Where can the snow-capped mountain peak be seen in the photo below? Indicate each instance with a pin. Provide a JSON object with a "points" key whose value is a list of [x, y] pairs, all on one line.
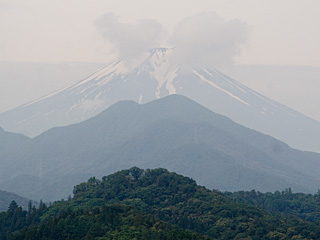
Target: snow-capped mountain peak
{"points": [[160, 68], [154, 76]]}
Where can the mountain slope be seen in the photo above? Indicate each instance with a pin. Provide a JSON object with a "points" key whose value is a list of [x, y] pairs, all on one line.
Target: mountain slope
{"points": [[173, 132], [7, 197], [152, 204], [22, 82], [156, 76]]}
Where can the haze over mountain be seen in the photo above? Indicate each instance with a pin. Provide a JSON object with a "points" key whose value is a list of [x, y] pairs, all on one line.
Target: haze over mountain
{"points": [[295, 86], [23, 82], [7, 197], [156, 75], [173, 132]]}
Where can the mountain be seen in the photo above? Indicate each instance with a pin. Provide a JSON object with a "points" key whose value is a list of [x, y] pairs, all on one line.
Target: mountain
{"points": [[156, 76], [174, 133], [22, 82], [151, 204], [8, 140], [7, 197], [295, 86]]}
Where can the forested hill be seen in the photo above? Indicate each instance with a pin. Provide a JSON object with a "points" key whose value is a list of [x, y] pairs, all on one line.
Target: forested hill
{"points": [[7, 197], [301, 205], [150, 204]]}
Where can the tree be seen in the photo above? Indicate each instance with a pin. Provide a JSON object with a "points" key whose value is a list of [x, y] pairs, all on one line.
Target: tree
{"points": [[136, 173], [12, 207]]}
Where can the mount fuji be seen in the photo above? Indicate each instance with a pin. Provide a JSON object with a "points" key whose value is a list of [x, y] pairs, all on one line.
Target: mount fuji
{"points": [[154, 76]]}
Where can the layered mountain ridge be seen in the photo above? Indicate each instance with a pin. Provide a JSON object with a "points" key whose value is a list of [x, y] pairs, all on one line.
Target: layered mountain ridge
{"points": [[174, 133], [157, 76]]}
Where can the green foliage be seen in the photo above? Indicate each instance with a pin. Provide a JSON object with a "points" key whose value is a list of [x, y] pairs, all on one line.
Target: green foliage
{"points": [[303, 206], [15, 218], [107, 222], [153, 204], [6, 198], [178, 200]]}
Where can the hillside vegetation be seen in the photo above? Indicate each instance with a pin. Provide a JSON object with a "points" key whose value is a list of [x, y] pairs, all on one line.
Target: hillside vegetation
{"points": [[7, 197], [151, 204], [303, 206]]}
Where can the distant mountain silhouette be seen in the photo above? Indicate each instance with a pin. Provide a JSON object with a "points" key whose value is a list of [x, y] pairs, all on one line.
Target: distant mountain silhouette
{"points": [[154, 77], [174, 133], [7, 197]]}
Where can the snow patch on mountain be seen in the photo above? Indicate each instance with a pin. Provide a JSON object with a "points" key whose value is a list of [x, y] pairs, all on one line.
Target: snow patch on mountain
{"points": [[160, 68], [27, 119], [221, 89], [155, 75], [229, 80], [105, 73], [44, 97], [274, 104]]}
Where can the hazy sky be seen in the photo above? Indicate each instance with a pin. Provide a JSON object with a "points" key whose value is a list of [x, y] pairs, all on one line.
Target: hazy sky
{"points": [[278, 31], [273, 32]]}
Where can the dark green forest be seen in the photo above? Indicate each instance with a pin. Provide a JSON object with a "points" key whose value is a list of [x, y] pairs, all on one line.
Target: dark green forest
{"points": [[301, 205], [7, 197], [158, 204]]}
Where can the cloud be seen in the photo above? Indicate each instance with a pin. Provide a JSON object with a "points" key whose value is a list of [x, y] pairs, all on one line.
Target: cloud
{"points": [[130, 40], [4, 5], [202, 39], [207, 39]]}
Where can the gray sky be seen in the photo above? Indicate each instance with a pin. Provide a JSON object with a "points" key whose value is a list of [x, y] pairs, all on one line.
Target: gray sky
{"points": [[271, 32], [279, 31]]}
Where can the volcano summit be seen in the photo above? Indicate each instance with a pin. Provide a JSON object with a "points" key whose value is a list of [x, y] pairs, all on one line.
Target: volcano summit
{"points": [[154, 76]]}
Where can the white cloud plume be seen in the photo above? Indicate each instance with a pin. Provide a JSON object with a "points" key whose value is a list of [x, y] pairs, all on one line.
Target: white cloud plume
{"points": [[130, 40], [202, 39], [207, 39]]}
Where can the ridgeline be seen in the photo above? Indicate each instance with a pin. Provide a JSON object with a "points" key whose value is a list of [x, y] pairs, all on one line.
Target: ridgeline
{"points": [[152, 204]]}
